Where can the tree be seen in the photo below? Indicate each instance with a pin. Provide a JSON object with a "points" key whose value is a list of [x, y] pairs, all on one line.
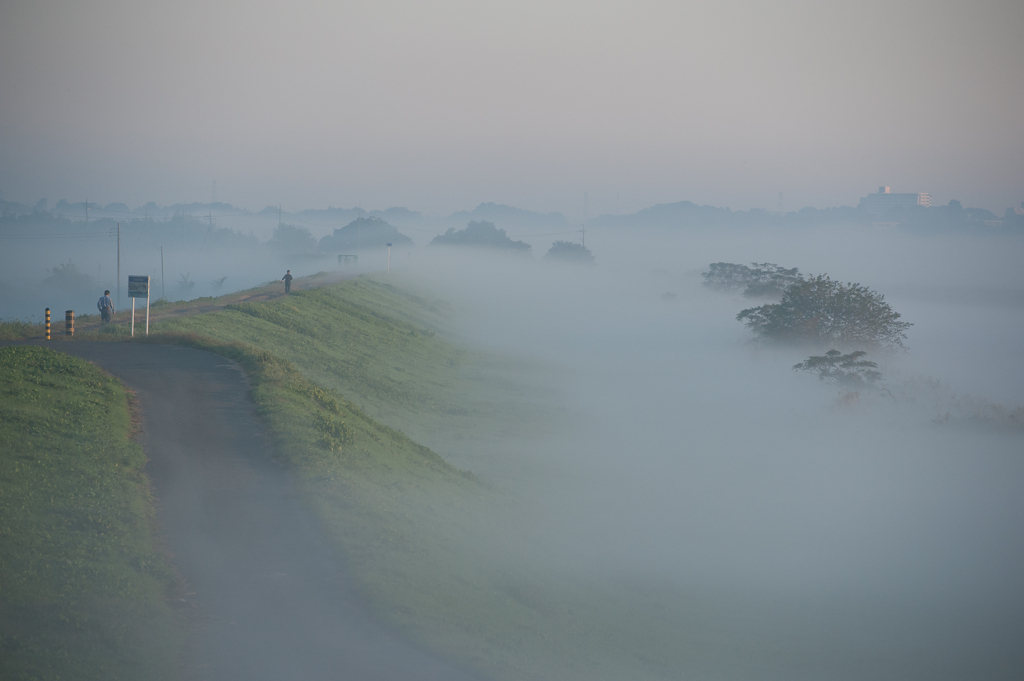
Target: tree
{"points": [[570, 251], [362, 234], [845, 370], [825, 312], [763, 280], [481, 234], [67, 277], [292, 239]]}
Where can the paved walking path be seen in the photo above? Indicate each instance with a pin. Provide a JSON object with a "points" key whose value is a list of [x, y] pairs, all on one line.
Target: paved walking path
{"points": [[272, 599]]}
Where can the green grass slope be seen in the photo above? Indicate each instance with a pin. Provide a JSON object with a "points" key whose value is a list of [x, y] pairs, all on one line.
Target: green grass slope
{"points": [[341, 374], [431, 548], [82, 586]]}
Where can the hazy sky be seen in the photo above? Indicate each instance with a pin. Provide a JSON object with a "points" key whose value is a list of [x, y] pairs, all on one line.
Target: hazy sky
{"points": [[441, 105]]}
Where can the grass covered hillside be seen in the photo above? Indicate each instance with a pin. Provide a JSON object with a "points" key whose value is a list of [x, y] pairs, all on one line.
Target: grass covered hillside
{"points": [[431, 547], [353, 379], [389, 351], [82, 586]]}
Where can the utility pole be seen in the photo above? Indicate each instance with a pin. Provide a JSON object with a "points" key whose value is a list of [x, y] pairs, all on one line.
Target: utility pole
{"points": [[163, 291], [583, 231], [209, 230], [278, 215], [119, 264], [87, 211]]}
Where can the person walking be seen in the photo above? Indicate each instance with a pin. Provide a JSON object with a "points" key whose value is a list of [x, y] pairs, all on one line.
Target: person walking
{"points": [[106, 307], [287, 279]]}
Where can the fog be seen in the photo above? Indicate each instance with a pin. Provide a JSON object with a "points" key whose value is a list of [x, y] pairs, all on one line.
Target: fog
{"points": [[788, 531], [438, 105], [813, 537]]}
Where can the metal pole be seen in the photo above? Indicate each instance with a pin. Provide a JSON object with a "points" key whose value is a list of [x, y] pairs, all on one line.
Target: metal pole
{"points": [[119, 264], [133, 316], [163, 291], [47, 323], [147, 310]]}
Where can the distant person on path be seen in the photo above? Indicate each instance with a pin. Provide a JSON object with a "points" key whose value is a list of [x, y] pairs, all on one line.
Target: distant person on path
{"points": [[106, 307], [287, 279]]}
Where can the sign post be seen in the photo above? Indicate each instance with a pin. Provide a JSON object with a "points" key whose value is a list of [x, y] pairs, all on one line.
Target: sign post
{"points": [[138, 287]]}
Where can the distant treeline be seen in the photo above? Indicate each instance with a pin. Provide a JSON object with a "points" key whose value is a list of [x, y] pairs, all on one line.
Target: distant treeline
{"points": [[951, 217], [180, 229]]}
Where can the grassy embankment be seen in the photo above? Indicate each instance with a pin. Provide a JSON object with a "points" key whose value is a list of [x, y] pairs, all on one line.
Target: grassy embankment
{"points": [[427, 544], [82, 586]]}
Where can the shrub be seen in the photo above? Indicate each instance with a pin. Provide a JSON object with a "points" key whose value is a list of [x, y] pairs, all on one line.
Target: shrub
{"points": [[763, 280], [825, 312], [481, 234], [845, 370], [569, 251]]}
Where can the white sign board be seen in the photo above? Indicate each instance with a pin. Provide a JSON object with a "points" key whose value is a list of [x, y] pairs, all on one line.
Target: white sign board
{"points": [[138, 285]]}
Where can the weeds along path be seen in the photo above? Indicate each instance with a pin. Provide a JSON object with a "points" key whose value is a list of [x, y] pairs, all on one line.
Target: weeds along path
{"points": [[270, 599]]}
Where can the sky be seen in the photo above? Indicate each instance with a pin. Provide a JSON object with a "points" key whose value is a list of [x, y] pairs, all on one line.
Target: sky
{"points": [[439, 106]]}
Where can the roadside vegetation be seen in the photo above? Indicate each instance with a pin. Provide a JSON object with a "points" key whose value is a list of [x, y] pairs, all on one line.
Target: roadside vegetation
{"points": [[83, 589]]}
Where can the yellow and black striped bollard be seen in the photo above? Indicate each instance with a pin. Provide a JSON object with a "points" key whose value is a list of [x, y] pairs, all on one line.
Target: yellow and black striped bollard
{"points": [[69, 323], [47, 323]]}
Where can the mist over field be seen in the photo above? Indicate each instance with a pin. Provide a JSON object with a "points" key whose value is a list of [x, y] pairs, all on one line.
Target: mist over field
{"points": [[798, 534], [644, 462], [765, 523]]}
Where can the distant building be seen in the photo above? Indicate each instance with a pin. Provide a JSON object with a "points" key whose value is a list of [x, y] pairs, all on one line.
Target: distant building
{"points": [[878, 205]]}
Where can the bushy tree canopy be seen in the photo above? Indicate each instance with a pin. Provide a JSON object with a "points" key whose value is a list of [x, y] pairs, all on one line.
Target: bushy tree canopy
{"points": [[292, 239], [763, 280], [570, 251], [67, 277], [828, 313], [364, 234], [483, 234], [846, 370]]}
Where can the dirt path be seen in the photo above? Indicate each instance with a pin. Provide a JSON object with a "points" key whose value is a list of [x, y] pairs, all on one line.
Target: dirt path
{"points": [[271, 598]]}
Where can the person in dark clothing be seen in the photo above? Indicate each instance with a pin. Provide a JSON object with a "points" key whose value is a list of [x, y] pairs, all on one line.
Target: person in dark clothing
{"points": [[287, 279], [106, 307]]}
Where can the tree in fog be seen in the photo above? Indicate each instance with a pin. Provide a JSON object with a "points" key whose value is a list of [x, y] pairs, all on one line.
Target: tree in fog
{"points": [[481, 234], [292, 239], [849, 370], [570, 251], [185, 286], [370, 233], [762, 280], [825, 312], [66, 278]]}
